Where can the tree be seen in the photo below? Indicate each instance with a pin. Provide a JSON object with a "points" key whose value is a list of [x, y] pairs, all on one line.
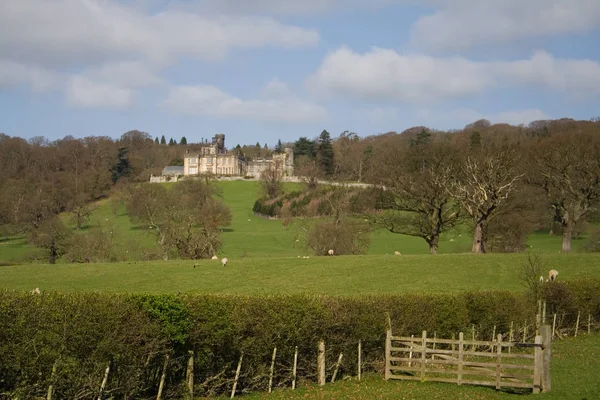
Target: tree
{"points": [[421, 205], [567, 167], [122, 167], [183, 141], [163, 140], [156, 140], [325, 154], [481, 184], [279, 147], [172, 142], [308, 170], [185, 219], [271, 180], [53, 236], [305, 147]]}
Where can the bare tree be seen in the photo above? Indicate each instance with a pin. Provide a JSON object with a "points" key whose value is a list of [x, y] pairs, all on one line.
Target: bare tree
{"points": [[567, 167], [482, 183], [271, 180]]}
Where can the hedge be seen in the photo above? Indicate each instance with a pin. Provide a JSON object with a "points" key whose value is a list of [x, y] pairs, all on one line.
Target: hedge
{"points": [[83, 332]]}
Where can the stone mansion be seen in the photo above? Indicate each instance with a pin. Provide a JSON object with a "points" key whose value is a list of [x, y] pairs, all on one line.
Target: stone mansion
{"points": [[215, 159]]}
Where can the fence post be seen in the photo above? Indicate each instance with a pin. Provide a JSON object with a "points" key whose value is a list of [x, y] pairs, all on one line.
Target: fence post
{"points": [[510, 335], [589, 323], [294, 369], [321, 363], [237, 375], [499, 362], [388, 354], [190, 375], [104, 380], [460, 358], [161, 385], [537, 365], [434, 343], [524, 332], [423, 355], [337, 367], [544, 313], [493, 338], [547, 356], [577, 323], [412, 345], [272, 368], [52, 379], [553, 325], [359, 359]]}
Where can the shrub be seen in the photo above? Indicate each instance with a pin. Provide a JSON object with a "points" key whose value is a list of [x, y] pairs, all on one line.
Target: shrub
{"points": [[343, 237]]}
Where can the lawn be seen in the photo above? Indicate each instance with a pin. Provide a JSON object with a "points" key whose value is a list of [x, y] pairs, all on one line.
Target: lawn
{"points": [[341, 275], [574, 369]]}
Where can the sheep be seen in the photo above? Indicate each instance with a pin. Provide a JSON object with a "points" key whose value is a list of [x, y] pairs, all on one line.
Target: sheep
{"points": [[330, 252], [552, 275], [36, 291], [224, 262], [214, 258], [397, 253]]}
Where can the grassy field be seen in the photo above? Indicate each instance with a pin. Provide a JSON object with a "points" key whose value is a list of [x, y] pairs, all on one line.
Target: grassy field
{"points": [[249, 236], [574, 369], [343, 275]]}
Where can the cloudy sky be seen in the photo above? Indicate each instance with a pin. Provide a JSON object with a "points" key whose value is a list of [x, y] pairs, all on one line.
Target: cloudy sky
{"points": [[269, 69]]}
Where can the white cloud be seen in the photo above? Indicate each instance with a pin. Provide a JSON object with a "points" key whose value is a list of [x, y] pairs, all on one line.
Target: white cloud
{"points": [[383, 74], [276, 89], [13, 73], [82, 92], [84, 32], [462, 24], [211, 101]]}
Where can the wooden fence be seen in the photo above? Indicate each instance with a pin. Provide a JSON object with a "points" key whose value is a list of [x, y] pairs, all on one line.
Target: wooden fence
{"points": [[498, 363]]}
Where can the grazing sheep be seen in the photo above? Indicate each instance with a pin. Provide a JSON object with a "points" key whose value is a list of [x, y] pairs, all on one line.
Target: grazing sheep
{"points": [[397, 253], [552, 275], [330, 252], [214, 258], [224, 262], [36, 291]]}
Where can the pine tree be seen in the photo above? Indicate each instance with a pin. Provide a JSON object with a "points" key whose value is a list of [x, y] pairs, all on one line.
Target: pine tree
{"points": [[163, 140], [156, 140], [183, 141], [172, 142], [279, 147], [325, 153]]}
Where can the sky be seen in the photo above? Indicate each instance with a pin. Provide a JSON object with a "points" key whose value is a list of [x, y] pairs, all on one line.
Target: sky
{"points": [[263, 70]]}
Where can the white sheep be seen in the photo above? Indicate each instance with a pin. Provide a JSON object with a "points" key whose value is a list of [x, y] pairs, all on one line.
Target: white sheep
{"points": [[224, 262], [397, 253], [552, 275], [214, 258], [330, 252], [36, 291]]}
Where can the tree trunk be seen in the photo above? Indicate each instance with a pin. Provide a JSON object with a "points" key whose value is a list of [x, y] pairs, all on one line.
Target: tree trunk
{"points": [[433, 245], [52, 256], [478, 239], [567, 230]]}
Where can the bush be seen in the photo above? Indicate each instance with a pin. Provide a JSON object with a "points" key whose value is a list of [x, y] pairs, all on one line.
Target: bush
{"points": [[343, 237]]}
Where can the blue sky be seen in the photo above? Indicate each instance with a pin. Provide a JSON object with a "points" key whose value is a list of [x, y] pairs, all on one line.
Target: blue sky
{"points": [[260, 70]]}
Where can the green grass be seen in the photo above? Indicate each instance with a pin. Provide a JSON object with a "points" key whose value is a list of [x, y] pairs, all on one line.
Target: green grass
{"points": [[343, 275], [574, 370]]}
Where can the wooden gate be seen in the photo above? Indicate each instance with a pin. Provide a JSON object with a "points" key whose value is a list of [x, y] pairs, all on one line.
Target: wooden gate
{"points": [[495, 363]]}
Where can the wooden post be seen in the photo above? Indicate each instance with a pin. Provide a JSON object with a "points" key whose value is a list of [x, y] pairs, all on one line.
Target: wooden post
{"points": [[538, 316], [337, 367], [52, 378], [162, 378], [359, 365], [388, 354], [493, 338], [544, 313], [499, 362], [189, 375], [589, 323], [577, 323], [423, 354], [472, 337], [104, 380], [294, 369], [546, 357], [537, 365], [237, 375], [272, 368], [433, 347], [553, 325], [511, 335], [321, 363], [460, 358], [524, 331], [410, 354]]}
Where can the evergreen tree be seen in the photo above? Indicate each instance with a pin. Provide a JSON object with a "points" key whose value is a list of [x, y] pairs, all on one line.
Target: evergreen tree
{"points": [[279, 147], [163, 140], [183, 141], [172, 142], [122, 167], [156, 140], [304, 147], [325, 153], [422, 138]]}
